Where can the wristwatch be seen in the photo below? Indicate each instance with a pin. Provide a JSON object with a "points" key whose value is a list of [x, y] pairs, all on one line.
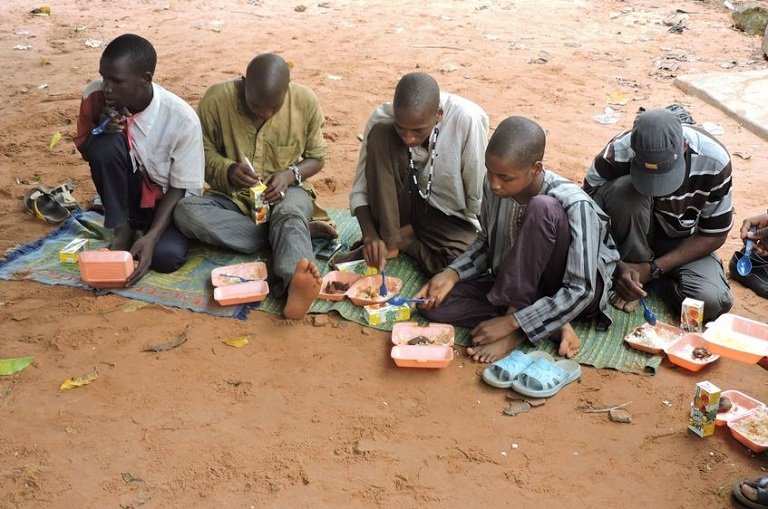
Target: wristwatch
{"points": [[656, 271]]}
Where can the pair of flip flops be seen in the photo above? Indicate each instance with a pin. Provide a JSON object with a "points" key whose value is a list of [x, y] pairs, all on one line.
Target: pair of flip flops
{"points": [[536, 375], [50, 204]]}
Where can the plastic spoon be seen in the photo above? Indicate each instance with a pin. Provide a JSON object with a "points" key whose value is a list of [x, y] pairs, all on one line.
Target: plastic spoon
{"points": [[399, 301], [649, 315], [100, 128], [744, 265], [383, 288]]}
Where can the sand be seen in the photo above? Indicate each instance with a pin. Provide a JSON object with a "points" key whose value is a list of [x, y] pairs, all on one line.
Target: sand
{"points": [[318, 415]]}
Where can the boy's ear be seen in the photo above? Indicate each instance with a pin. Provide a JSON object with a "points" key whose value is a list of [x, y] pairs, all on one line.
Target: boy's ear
{"points": [[538, 167]]}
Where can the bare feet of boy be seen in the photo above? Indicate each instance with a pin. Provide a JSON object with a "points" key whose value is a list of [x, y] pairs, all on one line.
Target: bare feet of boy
{"points": [[623, 305], [305, 285], [322, 230], [122, 238], [496, 350], [569, 342]]}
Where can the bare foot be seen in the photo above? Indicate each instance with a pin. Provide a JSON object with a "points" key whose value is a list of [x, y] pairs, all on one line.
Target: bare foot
{"points": [[496, 350], [619, 303], [322, 230], [749, 492], [569, 342], [354, 255], [305, 285], [122, 238], [357, 254]]}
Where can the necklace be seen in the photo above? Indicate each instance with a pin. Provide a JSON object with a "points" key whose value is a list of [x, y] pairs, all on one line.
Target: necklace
{"points": [[432, 156]]}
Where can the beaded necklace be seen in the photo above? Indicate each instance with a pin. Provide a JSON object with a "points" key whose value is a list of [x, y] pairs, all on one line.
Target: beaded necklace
{"points": [[432, 156]]}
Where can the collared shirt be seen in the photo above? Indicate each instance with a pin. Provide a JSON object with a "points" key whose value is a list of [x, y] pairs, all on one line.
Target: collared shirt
{"points": [[294, 133], [592, 251], [457, 183], [166, 140], [703, 204]]}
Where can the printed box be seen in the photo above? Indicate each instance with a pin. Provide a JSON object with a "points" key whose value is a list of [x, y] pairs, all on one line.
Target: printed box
{"points": [[379, 314], [357, 267], [706, 399], [70, 252], [259, 207], [692, 315]]}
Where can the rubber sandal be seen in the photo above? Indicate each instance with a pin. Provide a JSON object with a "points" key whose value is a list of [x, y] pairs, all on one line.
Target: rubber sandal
{"points": [[29, 199], [504, 371], [63, 196], [761, 485], [48, 209], [544, 379]]}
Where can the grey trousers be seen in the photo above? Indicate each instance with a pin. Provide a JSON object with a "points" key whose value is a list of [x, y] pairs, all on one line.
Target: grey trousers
{"points": [[640, 239], [216, 220], [394, 202]]}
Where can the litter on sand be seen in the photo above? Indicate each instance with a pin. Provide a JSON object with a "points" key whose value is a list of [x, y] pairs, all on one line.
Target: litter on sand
{"points": [[80, 381], [14, 365], [607, 117]]}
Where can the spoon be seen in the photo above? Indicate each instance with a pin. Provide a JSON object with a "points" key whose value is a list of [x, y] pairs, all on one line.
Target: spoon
{"points": [[399, 301], [383, 289], [649, 315], [744, 265], [100, 128]]}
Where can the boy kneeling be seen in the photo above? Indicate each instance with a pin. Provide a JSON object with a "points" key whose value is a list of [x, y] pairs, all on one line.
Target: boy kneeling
{"points": [[544, 257]]}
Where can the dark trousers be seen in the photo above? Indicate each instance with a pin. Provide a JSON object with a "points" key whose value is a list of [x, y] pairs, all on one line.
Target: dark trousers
{"points": [[531, 269], [640, 239], [394, 203], [120, 189]]}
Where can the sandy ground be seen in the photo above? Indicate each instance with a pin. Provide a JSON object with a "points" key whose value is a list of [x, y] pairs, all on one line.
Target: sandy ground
{"points": [[319, 416]]}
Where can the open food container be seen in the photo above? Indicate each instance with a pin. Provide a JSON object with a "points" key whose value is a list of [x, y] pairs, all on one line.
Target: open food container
{"points": [[422, 346], [653, 338], [336, 284], [738, 338], [105, 269], [751, 429], [691, 352], [240, 283], [239, 273], [365, 291], [741, 404]]}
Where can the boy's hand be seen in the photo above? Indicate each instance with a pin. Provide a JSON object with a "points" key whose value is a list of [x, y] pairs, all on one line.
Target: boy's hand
{"points": [[437, 289], [117, 119], [759, 236], [241, 176], [277, 184], [142, 251], [375, 252], [628, 284]]}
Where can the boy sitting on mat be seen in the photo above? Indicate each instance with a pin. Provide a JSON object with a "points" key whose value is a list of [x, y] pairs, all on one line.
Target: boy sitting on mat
{"points": [[544, 257]]}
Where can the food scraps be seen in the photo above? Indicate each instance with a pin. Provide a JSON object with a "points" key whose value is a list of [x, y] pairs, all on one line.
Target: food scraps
{"points": [[336, 287]]}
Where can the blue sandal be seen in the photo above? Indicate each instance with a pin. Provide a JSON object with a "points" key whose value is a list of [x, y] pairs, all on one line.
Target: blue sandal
{"points": [[504, 371], [544, 379]]}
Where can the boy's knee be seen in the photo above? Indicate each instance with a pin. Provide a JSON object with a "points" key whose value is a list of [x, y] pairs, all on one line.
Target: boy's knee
{"points": [[168, 258], [717, 298], [106, 148]]}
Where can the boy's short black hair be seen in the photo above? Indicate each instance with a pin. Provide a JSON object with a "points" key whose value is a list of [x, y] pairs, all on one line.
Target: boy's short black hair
{"points": [[140, 52], [519, 140], [417, 91]]}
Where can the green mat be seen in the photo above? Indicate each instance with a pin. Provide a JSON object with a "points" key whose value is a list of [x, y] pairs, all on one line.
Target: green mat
{"points": [[190, 288]]}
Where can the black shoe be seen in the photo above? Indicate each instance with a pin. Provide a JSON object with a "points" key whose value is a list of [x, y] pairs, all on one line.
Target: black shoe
{"points": [[757, 279]]}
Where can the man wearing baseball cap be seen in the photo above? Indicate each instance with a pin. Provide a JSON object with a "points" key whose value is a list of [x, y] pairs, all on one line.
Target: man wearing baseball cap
{"points": [[667, 189]]}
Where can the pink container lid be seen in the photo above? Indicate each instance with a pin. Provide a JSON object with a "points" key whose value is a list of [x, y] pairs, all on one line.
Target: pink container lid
{"points": [[741, 403], [430, 335]]}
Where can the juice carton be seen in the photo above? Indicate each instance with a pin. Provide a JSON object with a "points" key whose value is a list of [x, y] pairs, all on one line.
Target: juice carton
{"points": [[706, 399], [692, 315], [259, 207], [69, 253], [378, 314], [357, 267]]}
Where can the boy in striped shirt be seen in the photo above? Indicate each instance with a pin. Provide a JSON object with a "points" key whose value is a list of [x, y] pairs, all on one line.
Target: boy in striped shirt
{"points": [[667, 188]]}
